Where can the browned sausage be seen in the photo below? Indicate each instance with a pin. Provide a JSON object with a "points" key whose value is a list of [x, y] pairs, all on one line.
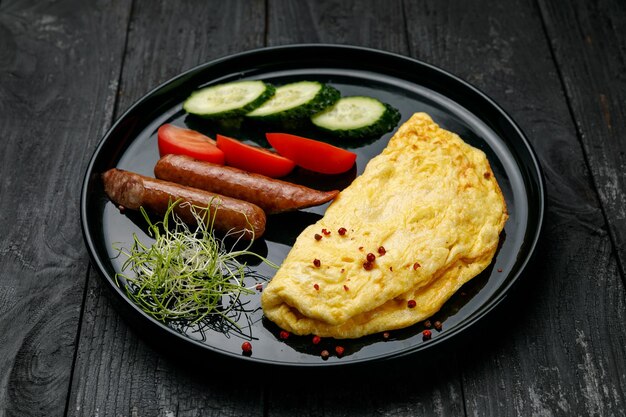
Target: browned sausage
{"points": [[132, 191], [272, 195]]}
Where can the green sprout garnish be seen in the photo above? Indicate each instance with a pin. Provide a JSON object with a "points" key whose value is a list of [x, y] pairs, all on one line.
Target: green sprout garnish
{"points": [[185, 275]]}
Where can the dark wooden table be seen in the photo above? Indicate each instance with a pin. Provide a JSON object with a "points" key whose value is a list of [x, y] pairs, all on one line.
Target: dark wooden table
{"points": [[69, 68]]}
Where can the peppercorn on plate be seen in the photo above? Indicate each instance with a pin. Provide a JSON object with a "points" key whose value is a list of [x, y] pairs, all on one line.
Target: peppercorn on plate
{"points": [[423, 219]]}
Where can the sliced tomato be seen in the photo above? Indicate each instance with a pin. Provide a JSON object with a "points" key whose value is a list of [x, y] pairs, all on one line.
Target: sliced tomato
{"points": [[312, 154], [181, 141], [253, 158]]}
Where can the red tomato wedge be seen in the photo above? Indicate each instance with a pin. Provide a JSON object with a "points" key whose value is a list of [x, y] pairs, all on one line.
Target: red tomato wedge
{"points": [[181, 141], [312, 154], [253, 158]]}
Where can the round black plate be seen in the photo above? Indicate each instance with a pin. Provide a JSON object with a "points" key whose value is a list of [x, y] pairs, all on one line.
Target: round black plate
{"points": [[407, 84]]}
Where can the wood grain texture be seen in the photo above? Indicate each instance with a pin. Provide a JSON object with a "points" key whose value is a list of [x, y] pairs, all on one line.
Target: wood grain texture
{"points": [[557, 347], [68, 68], [167, 38], [588, 41], [429, 386], [117, 372], [363, 23], [59, 66]]}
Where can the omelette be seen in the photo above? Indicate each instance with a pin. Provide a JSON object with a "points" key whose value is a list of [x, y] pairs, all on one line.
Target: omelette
{"points": [[423, 219]]}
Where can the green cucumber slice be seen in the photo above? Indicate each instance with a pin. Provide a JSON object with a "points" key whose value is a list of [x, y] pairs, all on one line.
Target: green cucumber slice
{"points": [[228, 100], [296, 101], [357, 116]]}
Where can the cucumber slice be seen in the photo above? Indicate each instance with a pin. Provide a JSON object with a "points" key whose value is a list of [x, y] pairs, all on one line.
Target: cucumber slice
{"points": [[357, 116], [228, 100], [296, 101]]}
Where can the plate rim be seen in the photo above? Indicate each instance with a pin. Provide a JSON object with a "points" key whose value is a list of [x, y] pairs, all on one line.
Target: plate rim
{"points": [[475, 316]]}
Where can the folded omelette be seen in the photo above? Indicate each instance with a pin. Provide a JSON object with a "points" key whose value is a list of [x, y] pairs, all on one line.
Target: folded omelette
{"points": [[428, 211]]}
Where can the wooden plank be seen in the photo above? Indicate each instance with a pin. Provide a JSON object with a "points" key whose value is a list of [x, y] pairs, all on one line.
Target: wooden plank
{"points": [[59, 67], [558, 345], [413, 387], [117, 372], [370, 23], [168, 38], [590, 48], [428, 387]]}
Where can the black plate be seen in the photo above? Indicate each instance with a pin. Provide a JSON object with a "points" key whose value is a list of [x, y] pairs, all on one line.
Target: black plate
{"points": [[407, 84]]}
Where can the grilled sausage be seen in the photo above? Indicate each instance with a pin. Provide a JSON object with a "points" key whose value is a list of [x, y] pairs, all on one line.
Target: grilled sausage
{"points": [[132, 191], [272, 195]]}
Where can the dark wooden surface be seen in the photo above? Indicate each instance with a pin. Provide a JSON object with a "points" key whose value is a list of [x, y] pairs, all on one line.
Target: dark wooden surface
{"points": [[69, 68]]}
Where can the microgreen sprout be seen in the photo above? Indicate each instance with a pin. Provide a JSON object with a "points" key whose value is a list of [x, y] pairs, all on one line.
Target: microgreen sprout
{"points": [[186, 274]]}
